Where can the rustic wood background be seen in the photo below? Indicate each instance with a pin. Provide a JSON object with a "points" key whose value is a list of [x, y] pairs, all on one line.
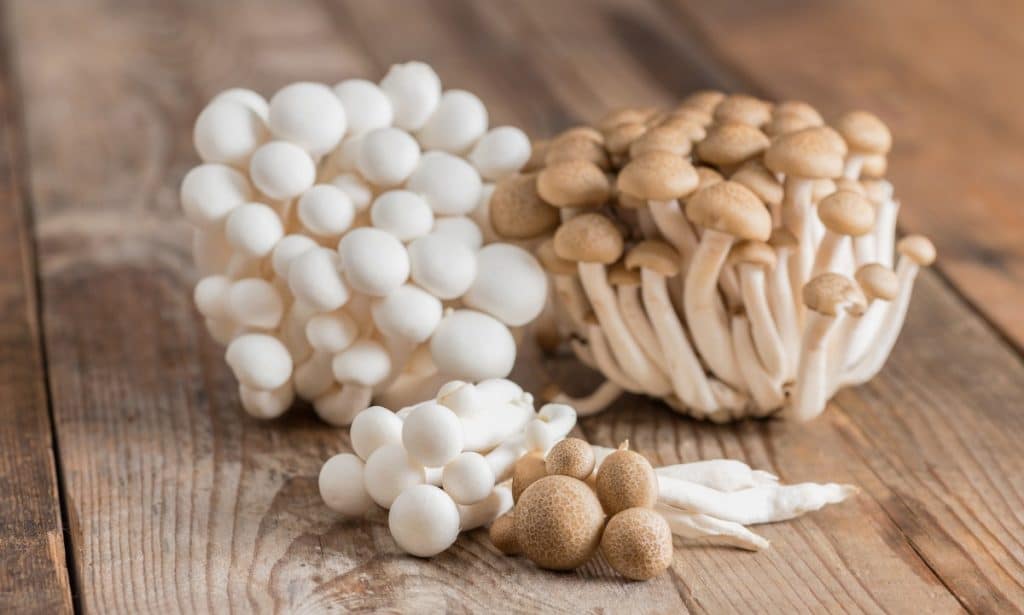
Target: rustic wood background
{"points": [[130, 481]]}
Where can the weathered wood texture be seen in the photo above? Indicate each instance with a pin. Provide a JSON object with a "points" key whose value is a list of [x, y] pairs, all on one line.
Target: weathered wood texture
{"points": [[180, 503]]}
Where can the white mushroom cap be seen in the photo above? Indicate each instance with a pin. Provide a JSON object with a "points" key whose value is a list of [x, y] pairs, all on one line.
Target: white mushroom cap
{"points": [[357, 190], [367, 107], [326, 210], [282, 170], [210, 296], [450, 184], [314, 277], [458, 122], [387, 156], [342, 486], [460, 228], [331, 333], [259, 361], [462, 398], [443, 267], [346, 156], [309, 115], [314, 377], [253, 229], [414, 90], [374, 261], [502, 151], [389, 471], [266, 404], [424, 521], [287, 249], [228, 131], [255, 302], [510, 284], [256, 103], [373, 428], [404, 214], [408, 313], [468, 478], [210, 191], [432, 434], [365, 363], [473, 346], [223, 331], [211, 251]]}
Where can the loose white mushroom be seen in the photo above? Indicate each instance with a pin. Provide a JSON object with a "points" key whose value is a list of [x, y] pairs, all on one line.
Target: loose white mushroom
{"points": [[424, 521], [373, 428], [753, 260], [341, 485], [256, 103], [255, 302], [282, 170], [509, 285], [500, 152], [309, 115], [326, 210], [486, 511], [210, 192], [389, 471], [266, 404], [387, 156], [341, 403], [259, 361], [450, 184], [286, 250], [357, 190], [432, 435], [468, 478], [332, 332], [848, 218], [253, 229], [404, 214], [408, 313], [228, 131], [314, 377], [314, 277], [458, 122], [210, 296], [695, 525], [365, 363], [460, 228], [414, 90], [366, 106], [473, 346], [374, 261], [445, 268]]}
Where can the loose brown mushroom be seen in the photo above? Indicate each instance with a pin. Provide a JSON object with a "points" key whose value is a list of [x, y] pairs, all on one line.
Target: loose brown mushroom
{"points": [[625, 479], [558, 522], [845, 214], [742, 108], [574, 183], [727, 211], [728, 145], [517, 211], [880, 286], [571, 457], [528, 469], [780, 298], [829, 297], [753, 260], [503, 534], [866, 135], [637, 543]]}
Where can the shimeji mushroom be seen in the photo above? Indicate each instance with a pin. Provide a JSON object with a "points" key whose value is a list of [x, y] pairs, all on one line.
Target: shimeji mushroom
{"points": [[458, 122], [259, 361], [387, 156], [253, 229], [552, 423], [473, 345], [765, 388], [564, 275], [326, 210], [915, 252], [408, 313], [342, 487], [729, 145], [517, 211], [866, 136], [389, 471], [660, 178], [780, 298], [444, 268], [848, 219], [461, 229], [687, 524], [404, 214], [331, 332], [742, 108], [573, 145], [255, 303], [573, 183], [601, 356], [414, 90], [432, 435], [366, 106], [356, 188], [314, 377], [373, 428], [450, 184], [754, 175], [593, 241], [727, 211], [315, 278], [309, 115], [282, 170], [627, 288], [754, 260], [286, 250], [509, 285], [673, 139], [228, 131], [468, 478], [830, 297], [359, 368], [880, 192], [374, 262], [791, 116], [501, 152]]}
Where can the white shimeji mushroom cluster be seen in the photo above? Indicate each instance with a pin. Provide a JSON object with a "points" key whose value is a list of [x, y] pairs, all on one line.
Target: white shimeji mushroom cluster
{"points": [[442, 466], [341, 239]]}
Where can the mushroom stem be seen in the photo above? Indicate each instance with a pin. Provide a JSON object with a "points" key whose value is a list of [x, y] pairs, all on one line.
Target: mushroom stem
{"points": [[606, 362], [640, 326], [695, 525], [484, 512], [797, 207], [808, 396], [762, 327], [780, 299], [719, 474], [854, 164], [761, 504], [764, 388], [832, 249], [340, 406], [676, 229], [864, 250], [601, 397], [885, 231], [570, 297]]}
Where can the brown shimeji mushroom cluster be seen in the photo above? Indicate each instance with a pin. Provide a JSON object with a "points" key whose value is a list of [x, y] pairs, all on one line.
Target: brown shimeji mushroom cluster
{"points": [[731, 256]]}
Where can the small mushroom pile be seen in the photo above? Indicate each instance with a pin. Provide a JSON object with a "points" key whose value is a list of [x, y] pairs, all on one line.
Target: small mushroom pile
{"points": [[339, 237], [730, 256], [442, 466]]}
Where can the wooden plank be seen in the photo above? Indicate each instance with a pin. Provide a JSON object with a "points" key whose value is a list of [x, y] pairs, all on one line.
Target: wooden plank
{"points": [[33, 570], [183, 504]]}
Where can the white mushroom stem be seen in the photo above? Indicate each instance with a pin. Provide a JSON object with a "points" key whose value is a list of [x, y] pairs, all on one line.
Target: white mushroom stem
{"points": [[764, 388], [780, 299], [571, 299], [729, 283], [632, 359], [863, 337], [674, 227], [645, 221], [552, 424], [720, 474], [797, 210], [503, 458], [484, 512], [810, 390], [863, 250], [832, 250], [885, 231], [601, 397], [340, 406], [708, 324], [761, 504], [606, 363], [762, 326], [697, 526], [636, 320], [854, 164]]}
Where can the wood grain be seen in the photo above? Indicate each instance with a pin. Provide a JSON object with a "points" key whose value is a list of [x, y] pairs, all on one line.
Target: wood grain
{"points": [[181, 503]]}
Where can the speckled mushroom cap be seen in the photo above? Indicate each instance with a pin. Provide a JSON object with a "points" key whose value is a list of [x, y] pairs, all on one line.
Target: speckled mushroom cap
{"points": [[625, 115], [822, 188], [553, 263], [847, 213], [730, 207], [797, 108], [706, 176], [830, 292], [517, 211], [760, 180], [589, 132], [703, 100], [731, 143], [618, 138], [877, 282], [692, 114], [753, 253], [744, 109], [918, 249], [619, 275], [782, 237], [655, 255], [558, 522], [637, 543], [875, 165], [877, 190], [589, 238], [574, 183], [577, 146], [658, 176], [845, 183], [538, 152], [684, 122], [661, 138], [864, 132], [815, 152]]}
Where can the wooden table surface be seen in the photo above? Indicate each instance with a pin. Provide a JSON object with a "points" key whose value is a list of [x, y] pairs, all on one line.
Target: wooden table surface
{"points": [[130, 480]]}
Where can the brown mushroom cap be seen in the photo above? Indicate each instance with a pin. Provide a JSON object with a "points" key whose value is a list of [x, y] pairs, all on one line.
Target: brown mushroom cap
{"points": [[760, 180], [517, 211], [527, 470], [629, 201], [574, 183], [618, 138], [571, 457], [810, 153], [703, 100], [782, 238], [785, 124], [656, 255], [706, 176], [753, 253], [797, 108], [877, 282], [845, 183], [822, 188], [875, 165], [619, 275], [558, 522], [917, 248], [554, 264], [503, 534], [731, 143], [571, 147], [830, 292], [589, 132], [637, 543], [625, 479], [538, 152], [847, 213], [659, 176], [865, 132], [589, 238], [625, 115], [730, 207], [684, 122], [743, 109], [877, 190], [662, 139]]}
